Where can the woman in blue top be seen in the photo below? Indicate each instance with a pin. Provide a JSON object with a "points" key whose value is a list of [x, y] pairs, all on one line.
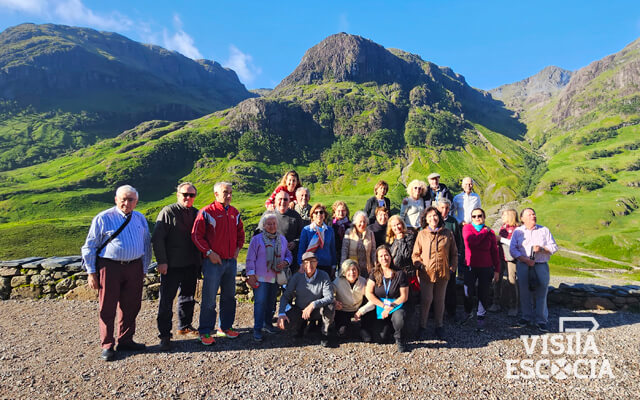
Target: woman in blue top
{"points": [[319, 238]]}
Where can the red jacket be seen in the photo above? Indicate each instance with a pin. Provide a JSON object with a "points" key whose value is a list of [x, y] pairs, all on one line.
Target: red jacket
{"points": [[481, 248], [219, 230]]}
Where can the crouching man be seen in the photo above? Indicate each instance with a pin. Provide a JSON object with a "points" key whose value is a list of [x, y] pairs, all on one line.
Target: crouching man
{"points": [[313, 296]]}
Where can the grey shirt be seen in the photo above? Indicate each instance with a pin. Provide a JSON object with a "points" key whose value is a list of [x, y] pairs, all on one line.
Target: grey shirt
{"points": [[317, 290]]}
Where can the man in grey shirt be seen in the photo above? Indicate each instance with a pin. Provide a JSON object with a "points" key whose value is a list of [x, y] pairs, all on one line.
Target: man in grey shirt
{"points": [[313, 295]]}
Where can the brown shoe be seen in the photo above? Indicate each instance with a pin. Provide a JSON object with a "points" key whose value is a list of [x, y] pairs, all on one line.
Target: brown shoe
{"points": [[189, 330]]}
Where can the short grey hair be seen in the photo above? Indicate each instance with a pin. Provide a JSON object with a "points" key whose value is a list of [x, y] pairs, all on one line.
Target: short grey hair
{"points": [[265, 217], [126, 189], [468, 178], [301, 188], [183, 184], [359, 214], [218, 185], [442, 201]]}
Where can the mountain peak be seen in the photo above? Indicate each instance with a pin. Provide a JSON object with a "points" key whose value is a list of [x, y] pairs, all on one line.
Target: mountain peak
{"points": [[344, 57], [534, 89]]}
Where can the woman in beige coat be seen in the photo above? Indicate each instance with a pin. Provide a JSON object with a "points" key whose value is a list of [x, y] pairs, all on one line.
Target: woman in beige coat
{"points": [[359, 244], [434, 255]]}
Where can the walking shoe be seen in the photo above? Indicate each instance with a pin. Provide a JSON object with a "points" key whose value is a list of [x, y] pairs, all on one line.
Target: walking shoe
{"points": [[131, 346], [324, 341], [466, 319], [440, 332], [543, 328], [228, 333], [108, 354], [480, 324], [270, 329], [522, 322], [165, 344], [494, 308], [189, 330], [207, 340], [257, 337], [401, 347], [513, 312]]}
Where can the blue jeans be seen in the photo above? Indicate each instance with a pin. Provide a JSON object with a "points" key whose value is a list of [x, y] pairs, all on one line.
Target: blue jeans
{"points": [[537, 297], [222, 276], [264, 300]]}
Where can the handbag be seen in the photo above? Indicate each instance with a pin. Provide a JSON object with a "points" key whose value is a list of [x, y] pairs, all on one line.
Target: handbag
{"points": [[283, 276]]}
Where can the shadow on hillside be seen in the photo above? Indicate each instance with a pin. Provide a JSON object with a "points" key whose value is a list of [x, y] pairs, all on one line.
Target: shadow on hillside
{"points": [[493, 114]]}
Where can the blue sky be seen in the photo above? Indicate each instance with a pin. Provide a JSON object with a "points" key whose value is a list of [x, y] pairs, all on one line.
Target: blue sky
{"points": [[489, 42]]}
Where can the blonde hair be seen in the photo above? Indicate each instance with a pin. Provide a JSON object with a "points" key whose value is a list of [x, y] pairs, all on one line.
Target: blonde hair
{"points": [[390, 235], [339, 203], [346, 264], [417, 182], [511, 216]]}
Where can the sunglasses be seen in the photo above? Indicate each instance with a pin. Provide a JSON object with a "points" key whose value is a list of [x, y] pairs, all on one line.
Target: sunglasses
{"points": [[477, 216], [319, 212], [185, 195]]}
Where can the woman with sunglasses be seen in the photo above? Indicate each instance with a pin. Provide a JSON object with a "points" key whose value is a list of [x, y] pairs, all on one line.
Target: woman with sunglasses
{"points": [[412, 206], [483, 263], [319, 238]]}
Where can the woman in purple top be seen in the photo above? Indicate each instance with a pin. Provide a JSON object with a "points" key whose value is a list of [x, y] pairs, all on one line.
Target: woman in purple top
{"points": [[267, 255]]}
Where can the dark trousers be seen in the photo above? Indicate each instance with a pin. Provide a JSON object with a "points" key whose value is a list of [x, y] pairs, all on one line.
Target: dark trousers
{"points": [[450, 297], [324, 314], [177, 278], [472, 275], [120, 291], [381, 328]]}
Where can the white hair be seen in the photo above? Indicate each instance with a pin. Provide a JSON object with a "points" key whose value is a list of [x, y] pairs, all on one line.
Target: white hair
{"points": [[300, 189], [124, 189], [359, 214], [218, 185], [183, 184], [265, 217]]}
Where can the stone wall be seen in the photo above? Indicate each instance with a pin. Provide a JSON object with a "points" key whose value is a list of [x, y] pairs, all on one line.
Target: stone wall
{"points": [[37, 277]]}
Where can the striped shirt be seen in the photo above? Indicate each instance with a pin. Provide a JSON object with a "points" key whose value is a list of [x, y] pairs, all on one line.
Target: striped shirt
{"points": [[132, 243]]}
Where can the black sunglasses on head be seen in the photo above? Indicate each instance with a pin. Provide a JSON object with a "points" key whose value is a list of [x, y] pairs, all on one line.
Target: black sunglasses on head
{"points": [[185, 195]]}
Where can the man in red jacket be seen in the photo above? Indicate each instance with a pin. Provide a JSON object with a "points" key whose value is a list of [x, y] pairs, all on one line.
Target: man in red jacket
{"points": [[219, 235]]}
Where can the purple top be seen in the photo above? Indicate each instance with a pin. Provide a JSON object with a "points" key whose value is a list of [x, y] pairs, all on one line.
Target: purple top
{"points": [[523, 240], [257, 259]]}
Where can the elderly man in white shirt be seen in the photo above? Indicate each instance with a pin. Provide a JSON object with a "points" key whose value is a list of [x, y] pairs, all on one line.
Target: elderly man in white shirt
{"points": [[465, 202]]}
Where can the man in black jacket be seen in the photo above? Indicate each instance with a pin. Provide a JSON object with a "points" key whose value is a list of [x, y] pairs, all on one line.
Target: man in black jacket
{"points": [[178, 263], [436, 190]]}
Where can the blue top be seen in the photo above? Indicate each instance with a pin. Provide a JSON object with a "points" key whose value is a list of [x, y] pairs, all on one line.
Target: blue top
{"points": [[327, 255], [132, 243]]}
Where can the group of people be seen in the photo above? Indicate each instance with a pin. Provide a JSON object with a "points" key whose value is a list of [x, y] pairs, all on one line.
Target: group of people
{"points": [[349, 277]]}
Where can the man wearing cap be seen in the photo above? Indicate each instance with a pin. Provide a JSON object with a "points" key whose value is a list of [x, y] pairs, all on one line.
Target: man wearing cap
{"points": [[116, 255], [313, 296], [436, 190], [465, 202]]}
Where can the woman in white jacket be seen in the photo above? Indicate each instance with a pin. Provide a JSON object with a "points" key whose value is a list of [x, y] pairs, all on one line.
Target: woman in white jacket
{"points": [[351, 303]]}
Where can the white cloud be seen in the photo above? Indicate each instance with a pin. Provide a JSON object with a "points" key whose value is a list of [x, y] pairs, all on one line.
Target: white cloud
{"points": [[75, 12], [29, 6], [180, 41], [242, 63]]}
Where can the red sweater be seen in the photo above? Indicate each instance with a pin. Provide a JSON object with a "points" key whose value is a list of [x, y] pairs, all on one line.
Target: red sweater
{"points": [[219, 230], [481, 248]]}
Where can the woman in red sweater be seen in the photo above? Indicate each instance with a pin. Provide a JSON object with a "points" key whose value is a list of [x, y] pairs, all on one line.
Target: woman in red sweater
{"points": [[483, 263]]}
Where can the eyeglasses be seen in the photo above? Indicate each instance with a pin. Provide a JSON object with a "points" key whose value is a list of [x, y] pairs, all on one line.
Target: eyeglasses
{"points": [[320, 212], [185, 195], [477, 216]]}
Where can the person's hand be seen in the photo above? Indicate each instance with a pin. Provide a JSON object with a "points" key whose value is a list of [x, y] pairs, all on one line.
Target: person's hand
{"points": [[357, 316], [281, 321], [530, 262], [496, 277], [539, 249], [252, 280], [93, 281], [282, 265], [291, 246], [306, 313], [385, 312], [338, 305], [215, 258], [162, 269], [292, 205], [405, 201]]}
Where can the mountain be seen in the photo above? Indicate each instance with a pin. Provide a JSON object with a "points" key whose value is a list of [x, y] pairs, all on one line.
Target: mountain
{"points": [[534, 89], [63, 87]]}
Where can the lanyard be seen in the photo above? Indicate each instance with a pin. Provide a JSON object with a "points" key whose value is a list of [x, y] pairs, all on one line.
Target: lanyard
{"points": [[386, 287]]}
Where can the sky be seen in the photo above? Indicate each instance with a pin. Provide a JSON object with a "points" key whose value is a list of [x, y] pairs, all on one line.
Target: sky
{"points": [[489, 42]]}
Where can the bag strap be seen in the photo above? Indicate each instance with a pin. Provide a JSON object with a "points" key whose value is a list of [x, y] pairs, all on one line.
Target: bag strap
{"points": [[115, 234]]}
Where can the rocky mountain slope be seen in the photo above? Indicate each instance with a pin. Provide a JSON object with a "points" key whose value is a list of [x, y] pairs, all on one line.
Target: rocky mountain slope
{"points": [[68, 87]]}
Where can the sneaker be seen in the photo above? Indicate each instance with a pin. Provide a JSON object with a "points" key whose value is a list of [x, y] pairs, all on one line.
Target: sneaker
{"points": [[522, 322], [513, 312], [440, 332], [228, 333], [207, 340], [401, 347], [165, 344], [494, 308], [480, 324], [466, 319], [324, 341], [189, 330], [270, 329], [543, 328], [257, 337]]}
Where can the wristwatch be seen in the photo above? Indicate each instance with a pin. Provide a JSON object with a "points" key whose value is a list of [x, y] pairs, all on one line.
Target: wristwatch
{"points": [[208, 252]]}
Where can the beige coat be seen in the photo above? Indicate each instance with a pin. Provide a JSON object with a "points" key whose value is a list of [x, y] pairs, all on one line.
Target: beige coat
{"points": [[361, 248], [352, 297], [437, 252]]}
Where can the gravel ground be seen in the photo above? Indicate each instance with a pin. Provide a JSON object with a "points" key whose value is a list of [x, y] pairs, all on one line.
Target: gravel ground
{"points": [[49, 349]]}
